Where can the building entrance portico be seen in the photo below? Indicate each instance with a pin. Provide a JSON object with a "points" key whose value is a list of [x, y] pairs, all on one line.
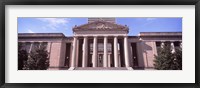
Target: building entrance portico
{"points": [[103, 44], [105, 51], [101, 60]]}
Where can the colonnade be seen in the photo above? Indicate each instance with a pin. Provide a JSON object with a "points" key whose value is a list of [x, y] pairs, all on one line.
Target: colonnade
{"points": [[95, 51], [171, 45]]}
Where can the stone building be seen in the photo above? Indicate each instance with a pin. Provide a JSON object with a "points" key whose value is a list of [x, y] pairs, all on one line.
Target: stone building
{"points": [[101, 44]]}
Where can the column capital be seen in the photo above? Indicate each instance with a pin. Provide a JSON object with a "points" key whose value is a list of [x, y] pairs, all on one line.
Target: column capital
{"points": [[126, 36], [115, 36], [162, 41], [105, 36], [173, 41], [23, 42], [40, 42], [85, 36], [75, 36], [95, 36]]}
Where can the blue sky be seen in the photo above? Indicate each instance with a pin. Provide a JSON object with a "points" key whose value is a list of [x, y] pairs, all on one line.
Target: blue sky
{"points": [[65, 25]]}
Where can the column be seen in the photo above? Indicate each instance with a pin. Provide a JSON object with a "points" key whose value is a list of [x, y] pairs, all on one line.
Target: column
{"points": [[49, 47], [31, 47], [181, 44], [73, 60], [162, 44], [94, 52], [85, 52], [77, 53], [109, 60], [172, 47], [126, 53], [116, 61], [105, 59], [40, 44], [119, 59]]}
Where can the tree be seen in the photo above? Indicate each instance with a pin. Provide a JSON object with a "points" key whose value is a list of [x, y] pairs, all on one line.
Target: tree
{"points": [[38, 59], [178, 58], [166, 60], [22, 57]]}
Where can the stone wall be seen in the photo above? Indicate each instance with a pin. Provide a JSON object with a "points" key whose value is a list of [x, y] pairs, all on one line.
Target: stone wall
{"points": [[55, 55]]}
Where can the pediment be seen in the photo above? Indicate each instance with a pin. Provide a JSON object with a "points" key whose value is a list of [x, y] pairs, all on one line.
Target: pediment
{"points": [[100, 25]]}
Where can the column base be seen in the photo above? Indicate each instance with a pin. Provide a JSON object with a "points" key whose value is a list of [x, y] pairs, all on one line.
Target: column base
{"points": [[103, 68], [71, 68], [129, 68], [58, 68]]}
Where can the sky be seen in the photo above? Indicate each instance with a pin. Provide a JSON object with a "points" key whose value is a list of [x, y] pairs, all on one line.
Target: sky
{"points": [[65, 25]]}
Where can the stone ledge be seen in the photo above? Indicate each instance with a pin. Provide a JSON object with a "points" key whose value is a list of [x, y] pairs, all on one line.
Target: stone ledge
{"points": [[102, 68], [160, 34], [41, 35]]}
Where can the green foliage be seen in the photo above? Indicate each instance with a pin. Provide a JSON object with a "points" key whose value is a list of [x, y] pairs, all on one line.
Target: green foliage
{"points": [[165, 60], [178, 60], [37, 60], [22, 57]]}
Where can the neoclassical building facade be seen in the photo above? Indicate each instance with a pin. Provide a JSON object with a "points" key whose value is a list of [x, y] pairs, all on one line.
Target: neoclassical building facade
{"points": [[100, 44]]}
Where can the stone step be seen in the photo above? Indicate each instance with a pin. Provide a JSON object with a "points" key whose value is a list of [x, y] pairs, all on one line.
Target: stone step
{"points": [[101, 68]]}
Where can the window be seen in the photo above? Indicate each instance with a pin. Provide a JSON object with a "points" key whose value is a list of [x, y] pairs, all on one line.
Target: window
{"points": [[177, 45], [158, 46]]}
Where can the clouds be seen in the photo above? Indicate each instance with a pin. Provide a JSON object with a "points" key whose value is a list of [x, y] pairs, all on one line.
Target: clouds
{"points": [[150, 19], [54, 23], [30, 31]]}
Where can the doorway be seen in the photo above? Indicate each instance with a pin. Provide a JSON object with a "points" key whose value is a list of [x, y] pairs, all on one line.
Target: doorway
{"points": [[100, 60], [134, 54], [67, 55]]}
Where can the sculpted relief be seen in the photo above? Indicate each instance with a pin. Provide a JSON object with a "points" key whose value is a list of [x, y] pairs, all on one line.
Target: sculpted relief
{"points": [[102, 26]]}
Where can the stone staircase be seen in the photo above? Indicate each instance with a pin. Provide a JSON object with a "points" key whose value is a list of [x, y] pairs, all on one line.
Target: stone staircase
{"points": [[102, 68]]}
